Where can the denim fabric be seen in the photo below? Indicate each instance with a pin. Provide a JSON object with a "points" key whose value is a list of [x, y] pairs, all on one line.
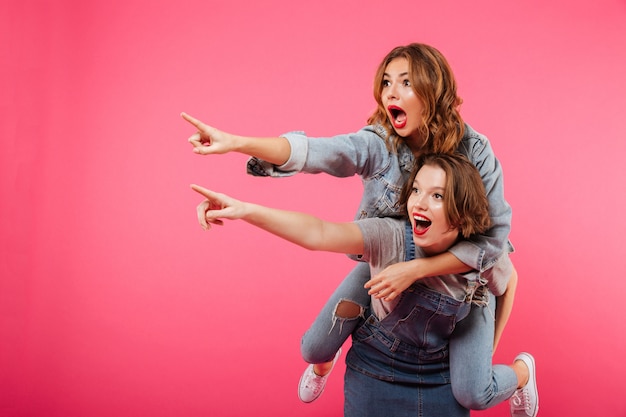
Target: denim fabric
{"points": [[370, 397], [328, 332], [409, 345], [475, 382], [398, 366], [364, 153], [409, 243], [473, 285]]}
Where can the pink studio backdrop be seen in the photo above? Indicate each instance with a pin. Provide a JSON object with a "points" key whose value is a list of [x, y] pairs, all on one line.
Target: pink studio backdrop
{"points": [[113, 302]]}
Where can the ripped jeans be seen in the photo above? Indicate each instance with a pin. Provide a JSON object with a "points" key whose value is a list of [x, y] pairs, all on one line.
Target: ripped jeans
{"points": [[329, 332], [475, 382]]}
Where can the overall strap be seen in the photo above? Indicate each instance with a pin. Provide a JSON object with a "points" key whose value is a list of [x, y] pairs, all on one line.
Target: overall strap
{"points": [[409, 245]]}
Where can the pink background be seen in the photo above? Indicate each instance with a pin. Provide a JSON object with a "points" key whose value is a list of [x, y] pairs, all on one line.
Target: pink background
{"points": [[113, 302]]}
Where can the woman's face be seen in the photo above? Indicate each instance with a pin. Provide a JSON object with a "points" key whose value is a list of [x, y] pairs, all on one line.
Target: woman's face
{"points": [[404, 108], [431, 228]]}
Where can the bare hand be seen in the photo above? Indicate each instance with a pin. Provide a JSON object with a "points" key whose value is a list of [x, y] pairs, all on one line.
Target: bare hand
{"points": [[208, 140], [390, 282], [217, 206]]}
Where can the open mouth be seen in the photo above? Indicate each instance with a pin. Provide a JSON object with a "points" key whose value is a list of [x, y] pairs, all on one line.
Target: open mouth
{"points": [[398, 116], [422, 224]]}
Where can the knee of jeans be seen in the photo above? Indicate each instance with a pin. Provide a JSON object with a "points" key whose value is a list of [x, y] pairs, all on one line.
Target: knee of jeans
{"points": [[471, 396], [314, 350], [348, 310], [320, 347]]}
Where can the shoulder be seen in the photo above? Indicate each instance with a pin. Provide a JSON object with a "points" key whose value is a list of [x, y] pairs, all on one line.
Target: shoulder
{"points": [[383, 239], [471, 135], [474, 145], [387, 224]]}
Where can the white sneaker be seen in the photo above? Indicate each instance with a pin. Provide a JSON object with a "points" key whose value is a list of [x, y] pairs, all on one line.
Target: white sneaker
{"points": [[525, 401], [311, 384]]}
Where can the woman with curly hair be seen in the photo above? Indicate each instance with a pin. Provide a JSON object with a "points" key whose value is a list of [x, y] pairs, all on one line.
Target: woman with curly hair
{"points": [[417, 113]]}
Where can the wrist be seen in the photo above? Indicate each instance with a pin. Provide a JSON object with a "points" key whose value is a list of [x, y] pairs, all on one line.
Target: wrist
{"points": [[417, 269], [238, 143]]}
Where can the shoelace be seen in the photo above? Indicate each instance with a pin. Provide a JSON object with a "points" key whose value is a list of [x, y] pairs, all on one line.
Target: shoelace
{"points": [[521, 400], [315, 383]]}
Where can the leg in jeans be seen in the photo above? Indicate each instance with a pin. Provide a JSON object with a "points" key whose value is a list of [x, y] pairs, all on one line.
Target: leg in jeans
{"points": [[341, 314], [339, 317], [476, 383]]}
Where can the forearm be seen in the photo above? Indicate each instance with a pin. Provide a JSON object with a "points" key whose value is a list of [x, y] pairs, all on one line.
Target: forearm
{"points": [[299, 228], [305, 230], [395, 278], [442, 264], [275, 150], [504, 306]]}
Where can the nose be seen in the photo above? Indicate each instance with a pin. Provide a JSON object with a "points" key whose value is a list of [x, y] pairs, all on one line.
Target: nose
{"points": [[392, 91], [419, 201]]}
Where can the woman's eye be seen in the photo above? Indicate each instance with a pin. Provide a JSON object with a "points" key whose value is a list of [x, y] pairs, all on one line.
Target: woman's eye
{"points": [[415, 190], [386, 83], [438, 196], [407, 83]]}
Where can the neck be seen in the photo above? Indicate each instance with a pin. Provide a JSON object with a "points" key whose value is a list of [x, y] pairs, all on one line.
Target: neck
{"points": [[416, 145], [442, 246]]}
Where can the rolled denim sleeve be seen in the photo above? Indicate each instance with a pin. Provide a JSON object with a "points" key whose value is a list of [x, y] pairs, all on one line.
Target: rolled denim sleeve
{"points": [[469, 253], [363, 153], [299, 149]]}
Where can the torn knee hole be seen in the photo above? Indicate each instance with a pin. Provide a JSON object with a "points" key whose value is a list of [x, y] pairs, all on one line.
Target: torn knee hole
{"points": [[347, 310]]}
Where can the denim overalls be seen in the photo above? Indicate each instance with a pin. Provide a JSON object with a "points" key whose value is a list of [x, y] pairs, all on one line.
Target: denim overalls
{"points": [[410, 344], [401, 362]]}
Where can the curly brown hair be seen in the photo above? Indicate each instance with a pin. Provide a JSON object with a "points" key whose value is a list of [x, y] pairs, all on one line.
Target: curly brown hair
{"points": [[465, 198], [432, 80]]}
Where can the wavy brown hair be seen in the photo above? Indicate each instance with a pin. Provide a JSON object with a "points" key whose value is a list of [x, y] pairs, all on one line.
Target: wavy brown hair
{"points": [[432, 80], [465, 198]]}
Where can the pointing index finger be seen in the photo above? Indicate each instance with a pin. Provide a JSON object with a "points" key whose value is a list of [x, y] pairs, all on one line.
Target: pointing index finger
{"points": [[197, 123], [201, 190]]}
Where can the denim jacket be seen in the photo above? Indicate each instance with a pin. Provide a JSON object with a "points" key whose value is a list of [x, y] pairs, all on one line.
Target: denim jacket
{"points": [[384, 174]]}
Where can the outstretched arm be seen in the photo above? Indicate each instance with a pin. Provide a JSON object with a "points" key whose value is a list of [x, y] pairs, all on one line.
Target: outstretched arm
{"points": [[209, 140], [302, 229]]}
